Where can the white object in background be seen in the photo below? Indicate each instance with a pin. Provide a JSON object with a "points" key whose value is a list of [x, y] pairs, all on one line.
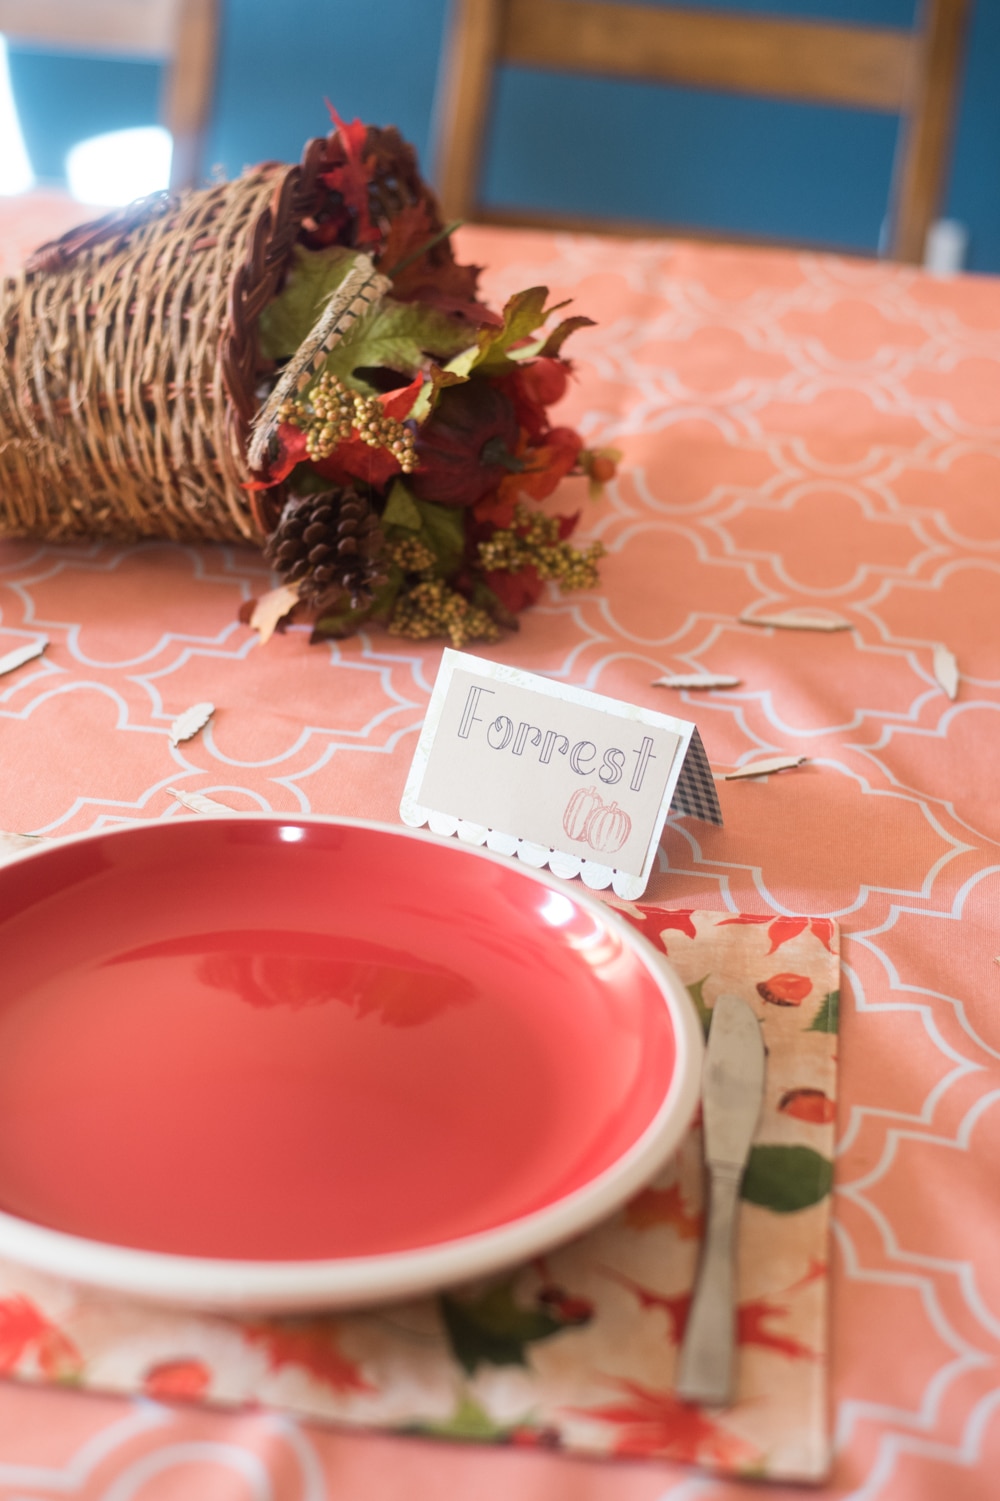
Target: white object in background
{"points": [[946, 247], [16, 175], [114, 169]]}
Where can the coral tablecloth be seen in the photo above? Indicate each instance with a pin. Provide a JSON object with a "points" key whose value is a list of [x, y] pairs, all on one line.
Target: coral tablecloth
{"points": [[797, 430]]}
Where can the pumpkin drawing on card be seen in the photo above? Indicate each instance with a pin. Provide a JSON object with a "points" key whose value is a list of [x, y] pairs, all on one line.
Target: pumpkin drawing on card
{"points": [[588, 819]]}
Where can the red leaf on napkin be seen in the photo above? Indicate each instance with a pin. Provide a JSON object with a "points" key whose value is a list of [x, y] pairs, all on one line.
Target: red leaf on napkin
{"points": [[310, 1344], [656, 1423], [663, 1206], [25, 1331]]}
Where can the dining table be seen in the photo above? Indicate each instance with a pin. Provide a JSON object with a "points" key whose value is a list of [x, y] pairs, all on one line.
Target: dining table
{"points": [[806, 512]]}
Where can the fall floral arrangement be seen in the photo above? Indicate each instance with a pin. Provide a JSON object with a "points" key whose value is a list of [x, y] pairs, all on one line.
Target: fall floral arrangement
{"points": [[414, 448]]}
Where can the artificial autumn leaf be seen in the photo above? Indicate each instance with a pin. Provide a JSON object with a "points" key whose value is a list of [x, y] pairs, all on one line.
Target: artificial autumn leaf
{"points": [[271, 608], [309, 1344], [190, 722], [800, 620], [766, 767], [696, 680], [199, 803], [555, 340], [522, 315], [401, 509], [13, 845], [532, 387], [946, 670], [21, 654], [467, 446], [289, 318], [786, 1178], [545, 467], [352, 179], [433, 277], [396, 336]]}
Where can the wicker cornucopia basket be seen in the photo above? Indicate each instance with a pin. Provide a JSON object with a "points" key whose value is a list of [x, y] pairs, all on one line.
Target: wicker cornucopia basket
{"points": [[132, 364], [295, 359]]}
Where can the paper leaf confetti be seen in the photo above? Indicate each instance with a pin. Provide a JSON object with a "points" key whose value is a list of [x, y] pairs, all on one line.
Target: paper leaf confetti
{"points": [[12, 845], [946, 670], [271, 608], [697, 680], [800, 620], [764, 768], [22, 654], [198, 802], [190, 722]]}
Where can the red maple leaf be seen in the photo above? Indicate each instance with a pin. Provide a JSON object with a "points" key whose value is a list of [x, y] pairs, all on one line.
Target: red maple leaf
{"points": [[676, 1307], [750, 1330], [656, 1423], [751, 1317], [24, 1330], [311, 1345], [351, 180], [663, 1206]]}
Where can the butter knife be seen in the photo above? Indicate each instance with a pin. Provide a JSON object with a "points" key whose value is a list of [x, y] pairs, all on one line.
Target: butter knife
{"points": [[732, 1093]]}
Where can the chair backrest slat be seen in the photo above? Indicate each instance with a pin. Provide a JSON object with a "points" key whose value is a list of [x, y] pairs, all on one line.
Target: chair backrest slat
{"points": [[910, 73]]}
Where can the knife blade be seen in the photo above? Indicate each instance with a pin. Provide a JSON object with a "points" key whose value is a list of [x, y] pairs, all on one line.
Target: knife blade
{"points": [[732, 1094]]}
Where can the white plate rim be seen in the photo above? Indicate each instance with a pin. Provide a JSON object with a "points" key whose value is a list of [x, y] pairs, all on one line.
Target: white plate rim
{"points": [[226, 1285]]}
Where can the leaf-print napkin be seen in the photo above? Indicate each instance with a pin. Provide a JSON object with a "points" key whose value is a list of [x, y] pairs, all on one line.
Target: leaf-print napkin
{"points": [[576, 1350]]}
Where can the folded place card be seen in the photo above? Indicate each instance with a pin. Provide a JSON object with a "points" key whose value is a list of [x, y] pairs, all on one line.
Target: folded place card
{"points": [[553, 774]]}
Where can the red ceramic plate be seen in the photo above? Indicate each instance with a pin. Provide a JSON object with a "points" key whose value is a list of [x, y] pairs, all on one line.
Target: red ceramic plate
{"points": [[259, 1063]]}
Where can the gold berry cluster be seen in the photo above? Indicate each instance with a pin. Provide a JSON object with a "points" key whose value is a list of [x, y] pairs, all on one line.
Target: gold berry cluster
{"points": [[329, 413], [430, 608], [534, 539]]}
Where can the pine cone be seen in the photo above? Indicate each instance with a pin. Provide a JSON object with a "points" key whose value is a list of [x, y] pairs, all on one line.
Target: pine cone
{"points": [[330, 545]]}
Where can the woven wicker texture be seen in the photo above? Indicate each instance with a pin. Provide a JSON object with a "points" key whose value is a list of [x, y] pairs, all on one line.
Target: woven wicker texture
{"points": [[131, 371]]}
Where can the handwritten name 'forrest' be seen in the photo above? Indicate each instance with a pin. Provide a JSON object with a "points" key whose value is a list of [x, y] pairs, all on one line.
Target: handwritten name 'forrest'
{"points": [[583, 756]]}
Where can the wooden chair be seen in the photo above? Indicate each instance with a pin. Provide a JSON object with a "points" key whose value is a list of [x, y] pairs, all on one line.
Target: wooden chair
{"points": [[913, 74], [180, 32]]}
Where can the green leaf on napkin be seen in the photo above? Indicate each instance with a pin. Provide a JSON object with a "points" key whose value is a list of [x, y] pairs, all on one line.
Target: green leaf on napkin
{"points": [[786, 1178], [468, 1421], [827, 1018], [491, 1328], [704, 1012]]}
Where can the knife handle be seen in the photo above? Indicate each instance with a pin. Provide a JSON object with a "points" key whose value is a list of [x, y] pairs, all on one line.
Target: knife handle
{"points": [[708, 1354]]}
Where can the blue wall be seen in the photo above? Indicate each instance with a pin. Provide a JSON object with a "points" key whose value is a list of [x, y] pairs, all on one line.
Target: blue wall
{"points": [[723, 162]]}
